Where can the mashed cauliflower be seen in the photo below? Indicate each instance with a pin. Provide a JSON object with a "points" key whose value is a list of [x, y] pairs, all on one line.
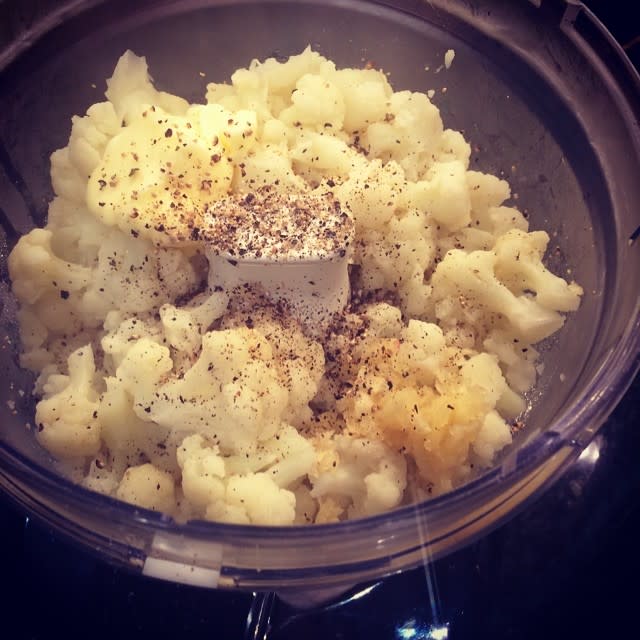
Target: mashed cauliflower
{"points": [[216, 404]]}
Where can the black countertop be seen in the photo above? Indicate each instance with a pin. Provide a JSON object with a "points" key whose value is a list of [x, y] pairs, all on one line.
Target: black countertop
{"points": [[566, 567]]}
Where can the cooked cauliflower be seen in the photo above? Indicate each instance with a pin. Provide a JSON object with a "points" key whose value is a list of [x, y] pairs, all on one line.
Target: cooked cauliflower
{"points": [[67, 416], [148, 487], [163, 385], [218, 493], [371, 475]]}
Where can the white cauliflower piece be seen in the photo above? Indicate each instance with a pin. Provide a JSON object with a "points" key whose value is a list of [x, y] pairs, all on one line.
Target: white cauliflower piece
{"points": [[505, 218], [67, 416], [231, 394], [486, 192], [365, 93], [422, 350], [517, 359], [133, 276], [203, 472], [125, 435], [396, 259], [122, 333], [445, 194], [472, 277], [316, 102], [481, 372], [140, 372], [148, 487], [227, 497], [265, 166], [158, 174], [77, 235], [71, 166], [519, 266], [35, 270], [299, 363], [264, 502], [371, 194], [494, 435], [447, 198], [33, 334], [316, 156], [410, 134], [453, 146], [89, 136], [385, 320], [286, 457], [130, 88], [281, 77], [369, 473], [184, 326]]}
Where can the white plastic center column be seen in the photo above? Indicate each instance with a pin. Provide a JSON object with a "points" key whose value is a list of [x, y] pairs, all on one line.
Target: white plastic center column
{"points": [[294, 247]]}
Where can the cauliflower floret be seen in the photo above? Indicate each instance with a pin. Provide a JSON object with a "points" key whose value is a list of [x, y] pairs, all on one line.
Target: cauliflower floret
{"points": [[519, 266], [141, 370], [481, 372], [281, 77], [133, 276], [453, 146], [125, 435], [90, 134], [396, 259], [265, 166], [148, 487], [365, 93], [422, 350], [184, 326], [130, 87], [231, 394], [447, 195], [220, 494], [426, 398], [517, 359], [71, 165], [286, 457], [385, 320], [264, 502], [77, 235], [370, 474], [33, 334], [299, 362], [203, 472], [505, 218], [410, 134], [494, 435], [35, 270], [69, 298], [486, 192], [371, 194], [316, 156], [67, 416], [316, 102], [158, 173], [471, 277], [121, 335]]}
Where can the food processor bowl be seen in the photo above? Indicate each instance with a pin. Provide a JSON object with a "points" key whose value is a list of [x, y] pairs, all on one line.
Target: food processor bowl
{"points": [[546, 99]]}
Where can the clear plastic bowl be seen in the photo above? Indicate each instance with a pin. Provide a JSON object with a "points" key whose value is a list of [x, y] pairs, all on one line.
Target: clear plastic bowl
{"points": [[546, 98]]}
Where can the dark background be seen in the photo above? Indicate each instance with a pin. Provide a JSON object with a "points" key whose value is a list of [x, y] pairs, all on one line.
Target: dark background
{"points": [[568, 567]]}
